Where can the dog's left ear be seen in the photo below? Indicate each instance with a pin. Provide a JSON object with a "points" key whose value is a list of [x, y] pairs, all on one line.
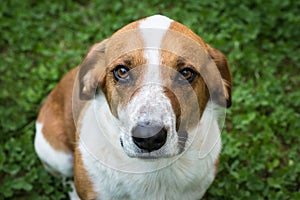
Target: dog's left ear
{"points": [[223, 67], [92, 71]]}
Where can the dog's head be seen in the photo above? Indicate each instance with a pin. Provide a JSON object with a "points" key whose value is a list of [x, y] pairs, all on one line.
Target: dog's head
{"points": [[157, 77]]}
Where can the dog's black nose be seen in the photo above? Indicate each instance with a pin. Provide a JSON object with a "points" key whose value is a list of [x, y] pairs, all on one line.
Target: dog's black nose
{"points": [[149, 137]]}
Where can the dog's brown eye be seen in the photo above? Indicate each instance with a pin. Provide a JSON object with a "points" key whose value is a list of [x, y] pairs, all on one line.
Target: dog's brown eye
{"points": [[186, 75], [121, 73]]}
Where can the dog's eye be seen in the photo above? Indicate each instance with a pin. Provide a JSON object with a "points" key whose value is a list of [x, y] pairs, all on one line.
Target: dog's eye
{"points": [[121, 73], [186, 75]]}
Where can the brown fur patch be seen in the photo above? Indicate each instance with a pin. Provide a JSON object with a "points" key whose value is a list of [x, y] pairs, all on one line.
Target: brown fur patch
{"points": [[56, 115], [117, 93], [180, 28], [192, 48], [175, 105], [188, 100], [124, 41], [217, 165], [83, 184]]}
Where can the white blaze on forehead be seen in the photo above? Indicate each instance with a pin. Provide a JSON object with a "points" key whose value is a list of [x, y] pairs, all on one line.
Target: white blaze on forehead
{"points": [[150, 104], [159, 24], [153, 30]]}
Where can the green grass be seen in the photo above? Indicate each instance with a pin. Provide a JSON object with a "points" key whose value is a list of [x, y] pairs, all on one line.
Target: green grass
{"points": [[41, 40]]}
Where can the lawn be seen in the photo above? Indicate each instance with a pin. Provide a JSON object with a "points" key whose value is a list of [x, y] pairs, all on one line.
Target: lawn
{"points": [[41, 40]]}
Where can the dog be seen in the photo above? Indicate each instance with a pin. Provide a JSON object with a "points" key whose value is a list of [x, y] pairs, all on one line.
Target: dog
{"points": [[139, 118]]}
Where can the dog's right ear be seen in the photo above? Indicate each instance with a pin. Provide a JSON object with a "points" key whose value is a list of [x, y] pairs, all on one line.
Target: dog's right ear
{"points": [[92, 71]]}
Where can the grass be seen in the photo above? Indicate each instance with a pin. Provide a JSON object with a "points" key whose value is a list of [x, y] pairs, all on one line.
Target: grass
{"points": [[42, 40]]}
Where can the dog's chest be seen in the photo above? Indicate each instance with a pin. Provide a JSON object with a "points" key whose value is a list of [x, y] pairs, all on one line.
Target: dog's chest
{"points": [[187, 178]]}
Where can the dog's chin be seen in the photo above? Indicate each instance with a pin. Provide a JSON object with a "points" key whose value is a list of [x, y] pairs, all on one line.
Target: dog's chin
{"points": [[155, 155], [164, 152]]}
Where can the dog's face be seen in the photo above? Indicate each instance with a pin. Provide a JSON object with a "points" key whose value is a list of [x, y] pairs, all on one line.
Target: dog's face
{"points": [[157, 77]]}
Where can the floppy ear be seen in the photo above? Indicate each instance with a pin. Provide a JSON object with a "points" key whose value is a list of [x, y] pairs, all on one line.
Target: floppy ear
{"points": [[223, 67], [92, 71]]}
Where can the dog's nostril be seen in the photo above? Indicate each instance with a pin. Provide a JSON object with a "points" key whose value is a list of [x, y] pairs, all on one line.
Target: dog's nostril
{"points": [[121, 142], [149, 137]]}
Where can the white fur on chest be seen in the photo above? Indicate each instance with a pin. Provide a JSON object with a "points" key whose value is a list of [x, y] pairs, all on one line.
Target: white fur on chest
{"points": [[112, 172]]}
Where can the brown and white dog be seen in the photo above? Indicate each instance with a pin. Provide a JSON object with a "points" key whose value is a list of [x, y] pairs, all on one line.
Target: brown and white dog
{"points": [[139, 119]]}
